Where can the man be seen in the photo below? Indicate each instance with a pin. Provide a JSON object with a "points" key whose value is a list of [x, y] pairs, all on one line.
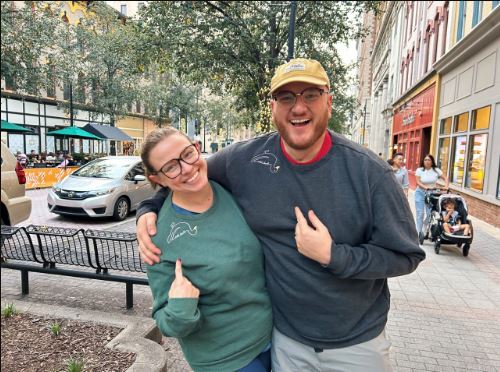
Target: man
{"points": [[333, 222]]}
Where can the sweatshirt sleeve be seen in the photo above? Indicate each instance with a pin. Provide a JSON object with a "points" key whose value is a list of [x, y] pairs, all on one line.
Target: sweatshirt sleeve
{"points": [[152, 204], [175, 317], [392, 249]]}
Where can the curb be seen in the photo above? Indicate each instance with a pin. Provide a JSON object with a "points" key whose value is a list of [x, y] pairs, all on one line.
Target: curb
{"points": [[139, 335]]}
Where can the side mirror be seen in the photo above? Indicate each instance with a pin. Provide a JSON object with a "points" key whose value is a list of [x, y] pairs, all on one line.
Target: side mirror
{"points": [[139, 177]]}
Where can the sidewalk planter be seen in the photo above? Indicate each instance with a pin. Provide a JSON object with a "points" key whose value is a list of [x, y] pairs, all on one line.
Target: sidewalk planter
{"points": [[45, 177]]}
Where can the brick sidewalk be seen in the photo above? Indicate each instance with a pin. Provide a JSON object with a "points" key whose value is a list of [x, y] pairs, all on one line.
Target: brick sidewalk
{"points": [[444, 317]]}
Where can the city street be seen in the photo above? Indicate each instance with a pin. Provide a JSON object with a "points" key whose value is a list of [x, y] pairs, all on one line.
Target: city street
{"points": [[445, 316]]}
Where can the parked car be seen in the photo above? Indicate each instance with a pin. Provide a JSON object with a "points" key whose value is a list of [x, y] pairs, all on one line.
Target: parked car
{"points": [[109, 186], [16, 206]]}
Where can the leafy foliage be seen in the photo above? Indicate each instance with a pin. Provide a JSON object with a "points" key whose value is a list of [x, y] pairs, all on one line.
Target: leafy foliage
{"points": [[55, 328], [74, 365], [9, 310], [28, 30], [234, 47]]}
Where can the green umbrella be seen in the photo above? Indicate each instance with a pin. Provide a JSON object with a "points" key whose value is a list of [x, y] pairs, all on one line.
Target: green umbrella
{"points": [[74, 132], [11, 127]]}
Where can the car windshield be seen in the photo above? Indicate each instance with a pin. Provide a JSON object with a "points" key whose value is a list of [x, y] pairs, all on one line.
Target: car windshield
{"points": [[104, 168]]}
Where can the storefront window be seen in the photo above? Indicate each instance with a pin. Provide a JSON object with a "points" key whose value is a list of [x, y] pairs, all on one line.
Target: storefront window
{"points": [[445, 126], [443, 154], [461, 122], [476, 161], [458, 151], [481, 118]]}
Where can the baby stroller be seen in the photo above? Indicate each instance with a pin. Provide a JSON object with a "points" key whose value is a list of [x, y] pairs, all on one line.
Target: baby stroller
{"points": [[438, 235]]}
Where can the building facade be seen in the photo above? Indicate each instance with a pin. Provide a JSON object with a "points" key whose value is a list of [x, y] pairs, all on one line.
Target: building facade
{"points": [[385, 60], [424, 34], [468, 135], [364, 77]]}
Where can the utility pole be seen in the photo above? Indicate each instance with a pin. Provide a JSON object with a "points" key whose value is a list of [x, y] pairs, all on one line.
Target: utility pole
{"points": [[291, 30]]}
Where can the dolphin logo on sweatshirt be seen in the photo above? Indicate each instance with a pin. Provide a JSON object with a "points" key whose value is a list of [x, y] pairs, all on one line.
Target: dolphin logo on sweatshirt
{"points": [[179, 229], [267, 159]]}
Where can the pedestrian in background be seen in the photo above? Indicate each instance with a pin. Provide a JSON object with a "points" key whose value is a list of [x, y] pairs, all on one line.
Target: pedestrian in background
{"points": [[427, 177], [215, 300], [400, 171], [326, 226]]}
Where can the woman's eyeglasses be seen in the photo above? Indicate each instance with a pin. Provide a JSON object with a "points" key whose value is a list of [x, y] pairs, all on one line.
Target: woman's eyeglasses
{"points": [[173, 168]]}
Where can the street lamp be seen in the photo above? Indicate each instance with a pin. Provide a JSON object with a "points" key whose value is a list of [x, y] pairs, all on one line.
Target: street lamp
{"points": [[291, 30]]}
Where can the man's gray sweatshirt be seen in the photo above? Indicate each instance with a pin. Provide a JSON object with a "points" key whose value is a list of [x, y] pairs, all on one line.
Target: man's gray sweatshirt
{"points": [[354, 194]]}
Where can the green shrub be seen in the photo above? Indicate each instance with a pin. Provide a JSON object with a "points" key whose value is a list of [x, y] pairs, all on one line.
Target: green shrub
{"points": [[55, 328], [9, 310], [74, 365]]}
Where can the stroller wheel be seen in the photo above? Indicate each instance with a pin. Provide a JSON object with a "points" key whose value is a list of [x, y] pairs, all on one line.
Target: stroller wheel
{"points": [[459, 245], [465, 250], [437, 247]]}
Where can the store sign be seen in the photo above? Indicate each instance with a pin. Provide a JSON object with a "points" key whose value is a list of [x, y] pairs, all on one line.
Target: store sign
{"points": [[407, 120]]}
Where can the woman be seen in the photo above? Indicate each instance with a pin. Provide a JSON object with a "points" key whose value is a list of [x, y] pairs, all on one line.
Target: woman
{"points": [[426, 176], [399, 171], [209, 288]]}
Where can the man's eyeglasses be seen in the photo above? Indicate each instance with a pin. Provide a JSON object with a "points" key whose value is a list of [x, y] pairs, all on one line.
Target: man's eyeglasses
{"points": [[173, 168], [288, 99]]}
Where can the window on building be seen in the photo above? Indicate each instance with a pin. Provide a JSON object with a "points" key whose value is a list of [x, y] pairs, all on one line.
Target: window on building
{"points": [[436, 39], [445, 28], [481, 118], [427, 41], [461, 122], [138, 107], [458, 159], [445, 126], [66, 90], [10, 82], [51, 85], [462, 6], [81, 89], [443, 154], [477, 12], [123, 9], [476, 161]]}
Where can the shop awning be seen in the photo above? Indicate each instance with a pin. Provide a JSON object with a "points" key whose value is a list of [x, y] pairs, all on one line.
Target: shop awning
{"points": [[108, 132], [11, 127]]}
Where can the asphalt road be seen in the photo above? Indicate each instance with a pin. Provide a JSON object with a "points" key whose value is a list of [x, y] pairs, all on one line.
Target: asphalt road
{"points": [[40, 215]]}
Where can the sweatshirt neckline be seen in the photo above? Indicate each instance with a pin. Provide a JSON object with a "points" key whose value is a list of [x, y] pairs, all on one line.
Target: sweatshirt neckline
{"points": [[304, 166], [196, 216]]}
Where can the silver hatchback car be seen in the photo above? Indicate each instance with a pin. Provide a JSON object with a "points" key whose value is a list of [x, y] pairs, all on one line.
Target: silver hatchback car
{"points": [[109, 186]]}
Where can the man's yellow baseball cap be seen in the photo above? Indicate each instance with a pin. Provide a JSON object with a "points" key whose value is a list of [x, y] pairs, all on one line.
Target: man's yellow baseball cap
{"points": [[300, 70]]}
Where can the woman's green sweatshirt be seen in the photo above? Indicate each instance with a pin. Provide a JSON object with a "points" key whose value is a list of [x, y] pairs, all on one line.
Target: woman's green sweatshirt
{"points": [[231, 322]]}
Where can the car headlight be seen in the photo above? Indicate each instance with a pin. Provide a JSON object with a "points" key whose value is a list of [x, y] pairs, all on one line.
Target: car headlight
{"points": [[56, 189], [100, 192]]}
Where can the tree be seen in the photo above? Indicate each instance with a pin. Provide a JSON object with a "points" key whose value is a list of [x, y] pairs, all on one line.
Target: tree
{"points": [[234, 47], [102, 58], [29, 29]]}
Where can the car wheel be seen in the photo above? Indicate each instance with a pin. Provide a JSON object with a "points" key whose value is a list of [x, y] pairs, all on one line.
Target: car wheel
{"points": [[121, 209]]}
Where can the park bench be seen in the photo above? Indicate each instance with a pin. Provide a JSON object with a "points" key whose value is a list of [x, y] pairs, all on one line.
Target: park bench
{"points": [[76, 252]]}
